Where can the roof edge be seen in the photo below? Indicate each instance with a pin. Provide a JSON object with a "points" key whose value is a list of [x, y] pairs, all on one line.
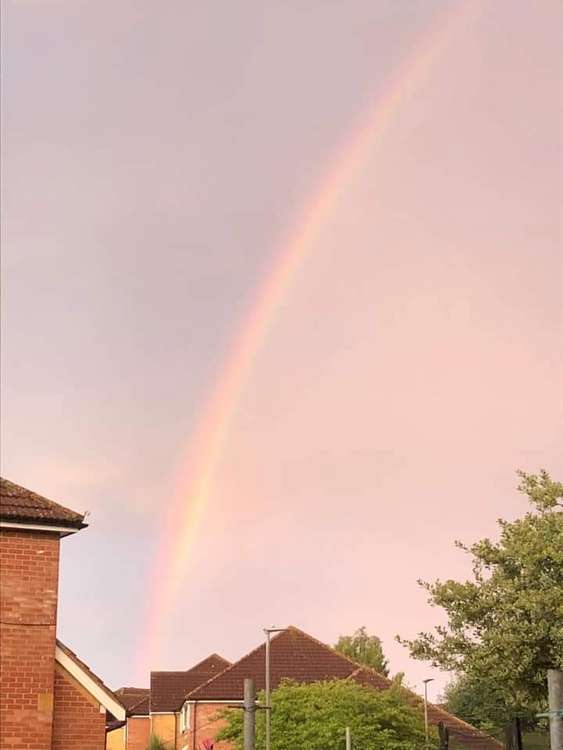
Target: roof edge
{"points": [[189, 695], [89, 681], [49, 528]]}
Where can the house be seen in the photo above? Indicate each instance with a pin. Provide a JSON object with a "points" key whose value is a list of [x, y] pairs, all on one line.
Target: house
{"points": [[184, 714], [157, 710], [168, 692], [134, 732], [51, 700], [300, 657]]}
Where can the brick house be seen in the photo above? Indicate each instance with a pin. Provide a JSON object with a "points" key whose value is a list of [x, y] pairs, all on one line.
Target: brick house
{"points": [[51, 700], [136, 728], [300, 657], [185, 722], [156, 710]]}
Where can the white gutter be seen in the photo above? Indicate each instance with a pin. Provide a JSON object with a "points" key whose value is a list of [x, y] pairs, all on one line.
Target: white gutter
{"points": [[62, 530]]}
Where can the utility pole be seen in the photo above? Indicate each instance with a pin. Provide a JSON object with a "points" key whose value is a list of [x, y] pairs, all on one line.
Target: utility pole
{"points": [[555, 692], [426, 681], [268, 696], [249, 714], [348, 739]]}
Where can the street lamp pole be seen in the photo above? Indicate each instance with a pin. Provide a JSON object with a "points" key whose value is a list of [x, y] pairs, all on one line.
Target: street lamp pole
{"points": [[426, 681], [268, 632]]}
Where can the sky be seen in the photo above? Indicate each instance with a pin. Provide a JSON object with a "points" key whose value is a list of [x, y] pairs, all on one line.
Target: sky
{"points": [[156, 158]]}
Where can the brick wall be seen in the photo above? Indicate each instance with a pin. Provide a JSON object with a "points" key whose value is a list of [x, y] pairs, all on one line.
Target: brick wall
{"points": [[207, 725], [78, 723], [163, 726], [29, 574], [138, 733]]}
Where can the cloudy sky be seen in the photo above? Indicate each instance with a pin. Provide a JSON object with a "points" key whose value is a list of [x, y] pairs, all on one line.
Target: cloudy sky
{"points": [[156, 156]]}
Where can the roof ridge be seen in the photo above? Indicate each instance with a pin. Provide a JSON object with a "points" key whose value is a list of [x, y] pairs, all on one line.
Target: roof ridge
{"points": [[217, 656], [231, 666], [169, 671], [190, 669], [138, 703], [214, 655], [358, 665]]}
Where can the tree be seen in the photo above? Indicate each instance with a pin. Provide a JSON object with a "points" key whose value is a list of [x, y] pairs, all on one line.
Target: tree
{"points": [[365, 649], [315, 717], [479, 702], [505, 626]]}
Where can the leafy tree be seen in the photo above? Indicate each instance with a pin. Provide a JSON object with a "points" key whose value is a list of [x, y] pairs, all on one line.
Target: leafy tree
{"points": [[505, 626], [365, 649], [315, 716], [480, 702]]}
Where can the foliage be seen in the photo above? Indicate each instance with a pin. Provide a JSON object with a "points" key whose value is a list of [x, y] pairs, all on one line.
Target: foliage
{"points": [[482, 703], [155, 743], [315, 716], [365, 649], [505, 626]]}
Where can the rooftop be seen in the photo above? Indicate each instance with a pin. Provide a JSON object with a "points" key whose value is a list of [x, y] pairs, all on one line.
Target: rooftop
{"points": [[168, 689], [298, 656], [19, 505], [136, 700]]}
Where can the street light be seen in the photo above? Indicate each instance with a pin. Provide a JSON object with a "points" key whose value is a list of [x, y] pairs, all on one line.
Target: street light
{"points": [[426, 681], [268, 632]]}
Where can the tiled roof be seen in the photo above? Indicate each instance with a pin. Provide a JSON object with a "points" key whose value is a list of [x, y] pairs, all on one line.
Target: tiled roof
{"points": [[18, 505], [296, 655], [168, 689], [293, 655], [85, 668], [135, 700], [459, 729], [369, 677]]}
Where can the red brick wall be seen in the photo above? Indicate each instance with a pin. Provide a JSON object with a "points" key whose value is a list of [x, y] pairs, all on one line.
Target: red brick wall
{"points": [[138, 733], [207, 725], [29, 575], [77, 723]]}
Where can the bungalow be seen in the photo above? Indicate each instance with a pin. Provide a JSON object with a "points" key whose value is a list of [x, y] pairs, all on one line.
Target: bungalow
{"points": [[300, 657], [51, 700], [184, 709]]}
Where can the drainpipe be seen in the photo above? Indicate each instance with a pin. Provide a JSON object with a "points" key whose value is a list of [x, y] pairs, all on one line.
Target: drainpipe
{"points": [[195, 725]]}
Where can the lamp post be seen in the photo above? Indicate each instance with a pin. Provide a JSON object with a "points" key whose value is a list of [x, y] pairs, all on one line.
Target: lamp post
{"points": [[426, 681], [268, 632]]}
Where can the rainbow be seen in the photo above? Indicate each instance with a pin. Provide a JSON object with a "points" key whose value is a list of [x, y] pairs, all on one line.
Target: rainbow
{"points": [[195, 483]]}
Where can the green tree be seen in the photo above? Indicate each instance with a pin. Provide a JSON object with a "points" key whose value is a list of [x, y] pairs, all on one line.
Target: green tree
{"points": [[316, 715], [365, 649], [504, 626], [480, 702]]}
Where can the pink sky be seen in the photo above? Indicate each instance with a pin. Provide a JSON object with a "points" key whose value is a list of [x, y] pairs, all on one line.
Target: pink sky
{"points": [[154, 158]]}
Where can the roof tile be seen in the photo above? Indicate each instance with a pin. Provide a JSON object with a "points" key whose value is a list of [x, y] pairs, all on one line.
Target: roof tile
{"points": [[293, 655], [298, 656], [135, 700], [19, 505], [168, 689]]}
